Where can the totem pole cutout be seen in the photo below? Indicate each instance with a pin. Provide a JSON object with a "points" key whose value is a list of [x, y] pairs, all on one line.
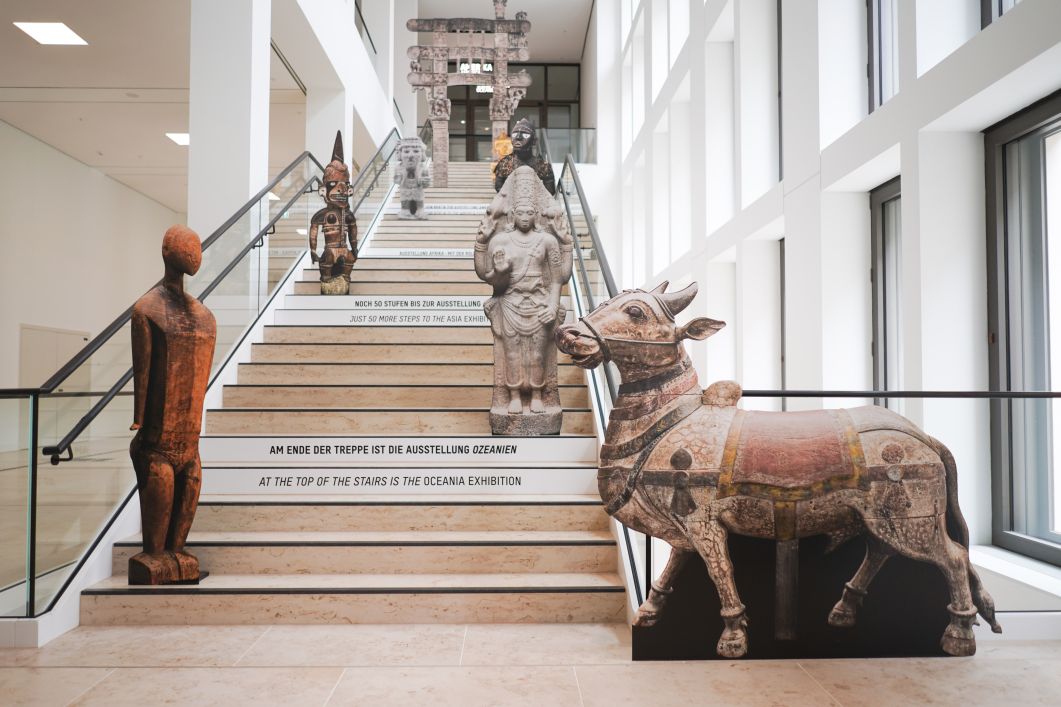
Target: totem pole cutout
{"points": [[336, 221]]}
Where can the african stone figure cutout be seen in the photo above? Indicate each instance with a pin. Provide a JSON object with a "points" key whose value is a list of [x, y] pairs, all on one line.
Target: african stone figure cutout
{"points": [[336, 222], [523, 251], [173, 337], [687, 466], [524, 138], [412, 172]]}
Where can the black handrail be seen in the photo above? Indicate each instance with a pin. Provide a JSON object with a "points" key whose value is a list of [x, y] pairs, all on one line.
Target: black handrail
{"points": [[111, 329], [55, 451]]}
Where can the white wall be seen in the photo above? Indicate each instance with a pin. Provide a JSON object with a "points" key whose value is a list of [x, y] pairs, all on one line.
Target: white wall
{"points": [[79, 247], [954, 81]]}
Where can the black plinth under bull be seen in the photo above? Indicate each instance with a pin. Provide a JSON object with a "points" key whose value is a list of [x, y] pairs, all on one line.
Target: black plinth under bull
{"points": [[903, 615]]}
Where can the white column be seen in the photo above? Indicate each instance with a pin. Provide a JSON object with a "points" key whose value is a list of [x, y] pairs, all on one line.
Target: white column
{"points": [[757, 325], [228, 108], [755, 28], [328, 109], [944, 222]]}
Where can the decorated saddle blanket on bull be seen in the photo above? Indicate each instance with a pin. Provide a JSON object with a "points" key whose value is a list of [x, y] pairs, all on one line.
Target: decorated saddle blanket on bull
{"points": [[784, 456]]}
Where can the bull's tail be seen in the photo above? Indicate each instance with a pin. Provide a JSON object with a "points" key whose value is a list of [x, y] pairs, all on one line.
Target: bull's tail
{"points": [[958, 530]]}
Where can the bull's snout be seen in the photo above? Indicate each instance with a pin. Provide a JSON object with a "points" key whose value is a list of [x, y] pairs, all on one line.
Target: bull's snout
{"points": [[580, 345]]}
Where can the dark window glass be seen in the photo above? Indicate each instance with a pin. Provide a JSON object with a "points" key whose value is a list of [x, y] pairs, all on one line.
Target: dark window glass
{"points": [[563, 83]]}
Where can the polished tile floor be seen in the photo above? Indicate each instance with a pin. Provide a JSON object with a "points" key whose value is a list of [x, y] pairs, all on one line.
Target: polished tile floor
{"points": [[537, 665]]}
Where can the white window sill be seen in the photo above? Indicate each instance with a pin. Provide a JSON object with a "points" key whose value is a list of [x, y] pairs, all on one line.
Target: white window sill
{"points": [[1018, 583]]}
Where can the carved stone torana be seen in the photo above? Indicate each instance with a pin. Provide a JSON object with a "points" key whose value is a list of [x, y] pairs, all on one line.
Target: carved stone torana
{"points": [[687, 466], [524, 138], [173, 337], [523, 251], [336, 221], [412, 172], [473, 42]]}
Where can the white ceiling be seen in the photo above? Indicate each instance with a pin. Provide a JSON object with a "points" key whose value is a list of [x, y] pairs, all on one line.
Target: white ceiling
{"points": [[558, 27], [109, 104]]}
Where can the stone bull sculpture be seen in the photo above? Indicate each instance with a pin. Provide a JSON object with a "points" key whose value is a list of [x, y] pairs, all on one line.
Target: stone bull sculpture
{"points": [[687, 466]]}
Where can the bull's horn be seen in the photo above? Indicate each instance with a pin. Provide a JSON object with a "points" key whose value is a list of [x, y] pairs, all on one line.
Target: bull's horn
{"points": [[660, 288], [675, 302]]}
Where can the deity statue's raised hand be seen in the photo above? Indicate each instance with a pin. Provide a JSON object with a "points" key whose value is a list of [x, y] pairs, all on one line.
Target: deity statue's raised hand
{"points": [[502, 264]]}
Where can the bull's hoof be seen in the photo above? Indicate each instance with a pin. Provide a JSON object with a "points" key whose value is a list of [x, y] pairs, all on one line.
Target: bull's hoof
{"points": [[734, 645], [958, 641], [842, 616], [646, 618]]}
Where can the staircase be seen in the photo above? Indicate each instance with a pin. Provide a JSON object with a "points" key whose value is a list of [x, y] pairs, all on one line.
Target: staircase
{"points": [[350, 475]]}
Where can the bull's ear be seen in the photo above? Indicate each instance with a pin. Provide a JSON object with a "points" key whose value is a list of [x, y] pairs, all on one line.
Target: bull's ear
{"points": [[699, 328]]}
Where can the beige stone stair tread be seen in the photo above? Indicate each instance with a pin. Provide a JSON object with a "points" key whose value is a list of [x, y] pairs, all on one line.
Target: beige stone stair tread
{"points": [[398, 499], [326, 583], [433, 537]]}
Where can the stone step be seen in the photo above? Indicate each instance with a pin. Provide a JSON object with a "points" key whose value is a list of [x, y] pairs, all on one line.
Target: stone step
{"points": [[412, 273], [425, 513], [277, 334], [312, 287], [330, 599], [553, 464], [392, 552], [404, 227], [383, 374], [379, 396], [435, 243], [380, 421], [455, 236], [366, 352], [371, 263], [339, 315]]}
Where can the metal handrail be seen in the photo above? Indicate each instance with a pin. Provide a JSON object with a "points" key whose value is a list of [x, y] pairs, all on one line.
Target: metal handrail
{"points": [[55, 451], [111, 329]]}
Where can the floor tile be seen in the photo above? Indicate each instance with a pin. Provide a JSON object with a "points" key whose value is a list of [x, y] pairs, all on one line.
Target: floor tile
{"points": [[458, 687], [357, 645], [546, 644], [42, 687], [130, 646], [751, 683], [137, 687], [978, 680]]}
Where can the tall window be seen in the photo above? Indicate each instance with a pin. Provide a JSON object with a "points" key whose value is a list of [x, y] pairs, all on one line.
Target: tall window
{"points": [[991, 10], [883, 45], [552, 101], [886, 226], [1024, 220]]}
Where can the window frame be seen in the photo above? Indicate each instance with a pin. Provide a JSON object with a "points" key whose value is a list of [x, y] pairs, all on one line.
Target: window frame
{"points": [[880, 196], [875, 56], [1001, 330]]}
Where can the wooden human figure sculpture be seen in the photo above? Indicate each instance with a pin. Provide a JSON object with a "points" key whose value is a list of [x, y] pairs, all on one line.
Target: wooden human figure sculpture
{"points": [[337, 223], [524, 139], [412, 173], [688, 466], [523, 251], [173, 337]]}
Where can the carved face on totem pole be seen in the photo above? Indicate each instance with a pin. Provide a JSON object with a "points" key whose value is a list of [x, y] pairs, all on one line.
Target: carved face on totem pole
{"points": [[411, 153]]}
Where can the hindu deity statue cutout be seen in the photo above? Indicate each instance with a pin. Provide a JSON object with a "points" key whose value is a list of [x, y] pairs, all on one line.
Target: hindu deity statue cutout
{"points": [[523, 251]]}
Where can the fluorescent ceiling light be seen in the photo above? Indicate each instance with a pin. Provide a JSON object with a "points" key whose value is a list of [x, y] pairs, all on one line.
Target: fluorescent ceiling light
{"points": [[272, 197], [50, 32], [300, 231], [179, 138]]}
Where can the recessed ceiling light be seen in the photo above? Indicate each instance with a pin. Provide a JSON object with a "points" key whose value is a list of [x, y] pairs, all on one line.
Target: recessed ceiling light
{"points": [[272, 197], [50, 32], [179, 138], [301, 231]]}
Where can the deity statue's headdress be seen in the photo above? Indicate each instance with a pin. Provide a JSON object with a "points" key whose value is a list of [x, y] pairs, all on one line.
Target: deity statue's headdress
{"points": [[525, 186], [336, 170]]}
